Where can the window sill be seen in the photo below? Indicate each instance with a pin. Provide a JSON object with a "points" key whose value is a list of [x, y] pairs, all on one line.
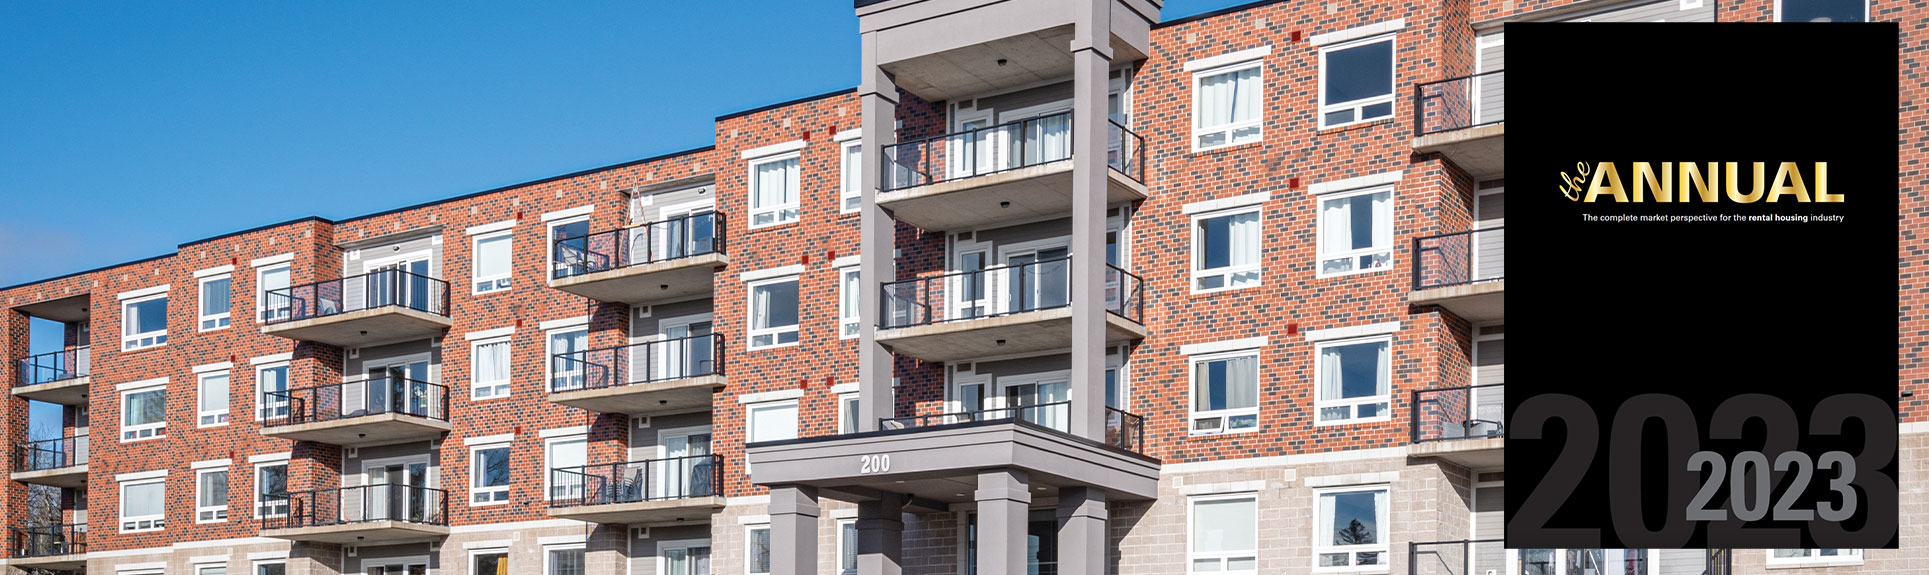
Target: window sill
{"points": [[490, 398], [143, 439], [1317, 275], [1357, 125], [126, 531], [1217, 291], [491, 504], [1811, 564], [1199, 151], [492, 292], [141, 349], [214, 522], [776, 225], [767, 347], [1198, 434], [229, 326], [1341, 422], [211, 426]]}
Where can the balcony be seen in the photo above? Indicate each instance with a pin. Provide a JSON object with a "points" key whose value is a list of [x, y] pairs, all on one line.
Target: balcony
{"points": [[1002, 310], [1007, 172], [658, 261], [60, 462], [370, 411], [51, 547], [939, 456], [1464, 272], [1485, 556], [375, 308], [58, 377], [360, 515], [1464, 425], [659, 376], [1465, 120], [661, 491]]}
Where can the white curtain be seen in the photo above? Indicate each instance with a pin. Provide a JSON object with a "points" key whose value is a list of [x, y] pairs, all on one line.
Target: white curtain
{"points": [[776, 183], [1382, 220], [1337, 224], [1330, 373], [490, 364], [1384, 364], [1225, 526], [214, 393], [1243, 248], [760, 307], [492, 257], [1329, 523], [1242, 383], [1054, 140], [773, 423], [143, 500], [1228, 98]]}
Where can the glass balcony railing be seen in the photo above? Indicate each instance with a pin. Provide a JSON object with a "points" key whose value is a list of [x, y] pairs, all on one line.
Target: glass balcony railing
{"points": [[371, 396], [50, 540], [51, 454], [1460, 103], [1460, 258], [1002, 290], [372, 290], [359, 504], [55, 366], [636, 481], [665, 360], [1001, 148], [1122, 430], [1470, 412], [667, 240]]}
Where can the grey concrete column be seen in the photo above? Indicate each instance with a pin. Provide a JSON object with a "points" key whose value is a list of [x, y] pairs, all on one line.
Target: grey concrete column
{"points": [[793, 529], [880, 536], [877, 241], [1004, 500], [1081, 531], [1092, 64]]}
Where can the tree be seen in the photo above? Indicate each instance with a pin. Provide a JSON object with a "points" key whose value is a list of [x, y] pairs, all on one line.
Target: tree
{"points": [[1355, 533]]}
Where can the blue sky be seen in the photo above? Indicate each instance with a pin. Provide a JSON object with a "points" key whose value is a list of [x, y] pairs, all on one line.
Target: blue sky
{"points": [[166, 122]]}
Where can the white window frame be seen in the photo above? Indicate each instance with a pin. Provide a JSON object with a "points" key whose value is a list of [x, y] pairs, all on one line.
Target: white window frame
{"points": [[549, 466], [156, 522], [1223, 415], [261, 404], [849, 324], [212, 513], [1358, 106], [549, 244], [748, 549], [1198, 79], [1353, 403], [131, 342], [775, 333], [157, 430], [1191, 555], [749, 417], [262, 508], [202, 568], [846, 407], [549, 355], [261, 292], [1865, 10], [663, 546], [221, 416], [475, 476], [851, 182], [477, 385], [1849, 557], [255, 569], [473, 553], [750, 176], [549, 568], [1380, 512], [475, 264], [1199, 252], [202, 316], [841, 545], [1319, 253]]}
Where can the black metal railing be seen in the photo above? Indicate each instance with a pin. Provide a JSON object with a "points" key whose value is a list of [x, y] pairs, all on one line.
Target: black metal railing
{"points": [[634, 481], [1468, 412], [1001, 148], [359, 504], [1476, 557], [1000, 291], [369, 396], [670, 359], [50, 540], [1124, 430], [1460, 103], [672, 239], [51, 454], [1460, 258], [372, 290], [55, 366]]}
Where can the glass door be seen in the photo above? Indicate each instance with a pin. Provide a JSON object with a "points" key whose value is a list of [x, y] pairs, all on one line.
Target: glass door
{"points": [[687, 561], [1026, 398], [969, 151], [686, 472], [1038, 280], [968, 286], [686, 352]]}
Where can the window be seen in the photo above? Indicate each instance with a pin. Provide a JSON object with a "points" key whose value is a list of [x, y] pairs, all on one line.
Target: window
{"points": [[1356, 232], [1353, 379], [1813, 557], [851, 192], [144, 322], [271, 386], [1225, 392], [268, 279], [144, 413], [216, 296], [848, 292], [493, 261], [276, 567], [489, 475], [1225, 250], [685, 558], [271, 490], [490, 360], [1226, 106], [773, 312], [566, 371], [569, 258], [1222, 535], [773, 190], [490, 562], [847, 412], [211, 402], [211, 570], [563, 560], [847, 547], [211, 495], [772, 421], [565, 453], [1821, 11], [1347, 531], [143, 505], [1356, 81], [757, 559]]}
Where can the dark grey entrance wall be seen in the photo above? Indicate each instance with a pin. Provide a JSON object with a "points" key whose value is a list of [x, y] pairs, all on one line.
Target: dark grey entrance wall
{"points": [[942, 464]]}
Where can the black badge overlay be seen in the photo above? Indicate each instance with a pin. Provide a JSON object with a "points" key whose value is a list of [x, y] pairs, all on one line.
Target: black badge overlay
{"points": [[1703, 372]]}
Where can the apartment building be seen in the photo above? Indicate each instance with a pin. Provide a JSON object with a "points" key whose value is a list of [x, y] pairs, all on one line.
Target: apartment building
{"points": [[924, 326]]}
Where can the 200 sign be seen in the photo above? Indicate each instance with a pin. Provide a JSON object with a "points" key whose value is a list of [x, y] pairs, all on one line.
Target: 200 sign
{"points": [[1734, 496]]}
